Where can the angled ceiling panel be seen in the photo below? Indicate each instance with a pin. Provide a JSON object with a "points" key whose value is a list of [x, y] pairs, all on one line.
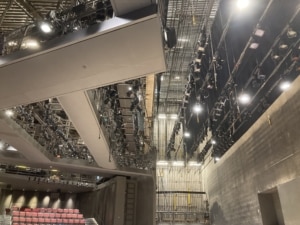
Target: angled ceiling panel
{"points": [[81, 113], [119, 50]]}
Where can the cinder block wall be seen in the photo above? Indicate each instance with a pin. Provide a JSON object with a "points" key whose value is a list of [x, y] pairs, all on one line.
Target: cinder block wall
{"points": [[266, 156]]}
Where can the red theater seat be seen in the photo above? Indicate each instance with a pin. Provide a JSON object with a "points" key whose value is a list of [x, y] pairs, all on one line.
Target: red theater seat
{"points": [[65, 221], [41, 220], [64, 215], [51, 215], [76, 221], [59, 221], [16, 219], [76, 211], [22, 213], [35, 220], [28, 219], [66, 210], [82, 221], [34, 214], [57, 215], [54, 210], [22, 219], [60, 210], [15, 213], [79, 216]]}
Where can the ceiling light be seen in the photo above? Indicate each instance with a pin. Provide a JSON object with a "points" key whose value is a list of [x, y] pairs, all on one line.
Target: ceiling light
{"points": [[9, 113], [162, 163], [129, 88], [197, 108], [254, 45], [174, 116], [213, 142], [242, 4], [178, 163], [283, 46], [46, 27], [11, 148], [183, 39], [291, 33], [193, 163], [30, 43], [285, 85], [162, 116], [259, 32], [244, 98], [187, 134], [217, 159]]}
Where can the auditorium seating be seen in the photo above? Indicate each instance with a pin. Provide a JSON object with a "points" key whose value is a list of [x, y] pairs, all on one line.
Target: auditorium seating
{"points": [[47, 216]]}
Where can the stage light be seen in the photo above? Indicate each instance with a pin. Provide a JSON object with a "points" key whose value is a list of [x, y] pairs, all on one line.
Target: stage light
{"points": [[174, 116], [162, 116], [259, 32], [183, 40], [162, 163], [129, 88], [30, 43], [283, 46], [178, 163], [291, 33], [197, 108], [244, 98], [217, 159], [187, 134], [285, 85], [213, 142], [254, 45], [242, 4], [193, 163], [46, 27], [11, 148], [9, 113]]}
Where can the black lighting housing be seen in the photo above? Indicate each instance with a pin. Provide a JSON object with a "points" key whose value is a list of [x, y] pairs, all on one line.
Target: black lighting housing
{"points": [[170, 37]]}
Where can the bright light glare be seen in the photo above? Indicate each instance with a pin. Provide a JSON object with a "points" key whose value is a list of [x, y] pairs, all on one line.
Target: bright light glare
{"points": [[183, 39], [178, 163], [30, 43], [244, 98], [174, 116], [242, 4], [213, 142], [197, 108], [162, 116], [46, 27], [187, 134], [217, 158], [162, 163], [193, 163], [11, 148], [9, 113], [129, 88], [285, 85]]}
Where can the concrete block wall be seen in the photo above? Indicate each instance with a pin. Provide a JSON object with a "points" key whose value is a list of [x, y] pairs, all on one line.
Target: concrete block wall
{"points": [[267, 156]]}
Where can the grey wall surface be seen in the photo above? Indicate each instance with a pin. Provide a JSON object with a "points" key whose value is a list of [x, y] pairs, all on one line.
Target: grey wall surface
{"points": [[145, 204], [289, 195], [106, 204], [265, 157]]}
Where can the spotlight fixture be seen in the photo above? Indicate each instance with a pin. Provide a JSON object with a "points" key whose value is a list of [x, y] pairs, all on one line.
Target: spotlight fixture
{"points": [[254, 45], [244, 98], [46, 27], [129, 88], [242, 4], [291, 33], [259, 32], [285, 85], [30, 43], [9, 113], [197, 108], [187, 134], [283, 46], [213, 142]]}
